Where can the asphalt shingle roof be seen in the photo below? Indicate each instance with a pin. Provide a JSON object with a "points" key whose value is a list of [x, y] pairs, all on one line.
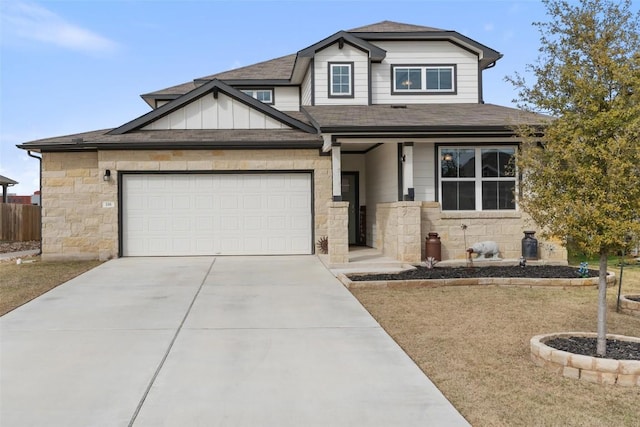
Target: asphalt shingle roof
{"points": [[420, 116], [177, 138], [392, 27], [273, 69], [281, 68]]}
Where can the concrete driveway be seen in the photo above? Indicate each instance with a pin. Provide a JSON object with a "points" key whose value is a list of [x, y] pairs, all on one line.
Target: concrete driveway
{"points": [[227, 341]]}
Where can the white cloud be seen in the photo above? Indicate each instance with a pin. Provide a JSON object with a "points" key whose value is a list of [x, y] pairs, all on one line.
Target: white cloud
{"points": [[29, 21]]}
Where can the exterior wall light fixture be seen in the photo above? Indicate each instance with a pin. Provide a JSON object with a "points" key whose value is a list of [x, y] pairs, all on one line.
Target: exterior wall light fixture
{"points": [[107, 175]]}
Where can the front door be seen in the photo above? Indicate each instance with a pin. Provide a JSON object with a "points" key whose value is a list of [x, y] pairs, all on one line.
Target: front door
{"points": [[350, 194]]}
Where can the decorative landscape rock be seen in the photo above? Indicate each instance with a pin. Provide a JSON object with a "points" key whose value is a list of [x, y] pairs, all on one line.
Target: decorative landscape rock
{"points": [[552, 276]]}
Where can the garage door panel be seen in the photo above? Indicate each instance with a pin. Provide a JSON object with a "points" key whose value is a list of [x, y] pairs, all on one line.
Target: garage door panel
{"points": [[181, 224], [252, 201], [209, 214], [181, 202], [203, 202], [230, 201], [299, 201], [276, 203], [300, 223], [157, 225]]}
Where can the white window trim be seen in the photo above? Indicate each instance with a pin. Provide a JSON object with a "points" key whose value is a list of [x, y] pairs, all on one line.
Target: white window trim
{"points": [[423, 75], [478, 179], [332, 94]]}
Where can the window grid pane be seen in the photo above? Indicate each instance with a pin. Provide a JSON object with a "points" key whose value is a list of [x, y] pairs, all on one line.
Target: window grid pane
{"points": [[439, 79], [408, 79], [263, 95], [459, 180], [340, 80], [446, 79]]}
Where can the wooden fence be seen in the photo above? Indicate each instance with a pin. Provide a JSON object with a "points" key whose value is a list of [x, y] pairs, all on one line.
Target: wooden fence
{"points": [[19, 222]]}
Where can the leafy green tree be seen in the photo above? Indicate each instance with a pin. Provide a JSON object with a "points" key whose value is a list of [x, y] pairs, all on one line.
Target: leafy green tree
{"points": [[581, 173]]}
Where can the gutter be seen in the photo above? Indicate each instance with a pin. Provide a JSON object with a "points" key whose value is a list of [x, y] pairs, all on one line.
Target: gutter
{"points": [[39, 160]]}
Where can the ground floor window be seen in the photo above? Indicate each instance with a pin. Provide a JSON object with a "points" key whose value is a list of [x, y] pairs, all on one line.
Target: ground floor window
{"points": [[477, 178]]}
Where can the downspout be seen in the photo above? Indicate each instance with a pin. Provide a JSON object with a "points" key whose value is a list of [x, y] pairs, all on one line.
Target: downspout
{"points": [[39, 160], [480, 81]]}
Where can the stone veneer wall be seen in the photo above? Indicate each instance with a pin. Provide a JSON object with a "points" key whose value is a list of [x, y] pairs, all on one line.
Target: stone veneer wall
{"points": [[398, 230], [505, 228], [338, 233], [77, 226], [74, 226]]}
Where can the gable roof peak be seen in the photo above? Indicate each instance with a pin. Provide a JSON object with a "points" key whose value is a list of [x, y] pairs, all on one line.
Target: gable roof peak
{"points": [[392, 27], [215, 86]]}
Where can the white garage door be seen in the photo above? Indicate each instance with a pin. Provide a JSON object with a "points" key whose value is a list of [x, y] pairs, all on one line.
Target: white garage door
{"points": [[216, 214]]}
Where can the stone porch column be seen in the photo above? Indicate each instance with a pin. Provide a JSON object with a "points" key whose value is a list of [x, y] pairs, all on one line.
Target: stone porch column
{"points": [[338, 232], [409, 233]]}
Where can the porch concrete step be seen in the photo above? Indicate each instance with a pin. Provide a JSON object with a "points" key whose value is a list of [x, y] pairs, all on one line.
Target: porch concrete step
{"points": [[378, 267]]}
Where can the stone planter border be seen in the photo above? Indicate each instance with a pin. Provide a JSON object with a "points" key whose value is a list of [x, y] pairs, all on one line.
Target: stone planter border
{"points": [[625, 373], [629, 306], [482, 281]]}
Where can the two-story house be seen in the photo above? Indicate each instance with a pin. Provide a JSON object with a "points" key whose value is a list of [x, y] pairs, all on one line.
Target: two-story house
{"points": [[374, 136]]}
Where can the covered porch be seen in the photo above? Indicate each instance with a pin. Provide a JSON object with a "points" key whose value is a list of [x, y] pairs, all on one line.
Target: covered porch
{"points": [[385, 197]]}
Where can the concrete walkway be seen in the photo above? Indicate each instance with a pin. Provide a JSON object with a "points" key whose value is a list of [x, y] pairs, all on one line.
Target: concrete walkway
{"points": [[229, 341]]}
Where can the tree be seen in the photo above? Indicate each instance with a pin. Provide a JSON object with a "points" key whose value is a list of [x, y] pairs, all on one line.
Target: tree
{"points": [[581, 173]]}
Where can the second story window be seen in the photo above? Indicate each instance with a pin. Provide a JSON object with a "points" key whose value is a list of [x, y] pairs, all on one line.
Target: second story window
{"points": [[341, 79], [262, 95], [426, 79]]}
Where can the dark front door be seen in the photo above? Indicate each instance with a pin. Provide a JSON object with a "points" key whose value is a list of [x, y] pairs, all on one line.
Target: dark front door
{"points": [[350, 183]]}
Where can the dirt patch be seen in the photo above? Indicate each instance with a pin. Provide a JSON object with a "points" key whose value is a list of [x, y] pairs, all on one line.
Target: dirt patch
{"points": [[616, 349], [24, 282], [474, 344], [537, 271]]}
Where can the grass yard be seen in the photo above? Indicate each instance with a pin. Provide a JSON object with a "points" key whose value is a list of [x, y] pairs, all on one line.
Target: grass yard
{"points": [[22, 283], [474, 345]]}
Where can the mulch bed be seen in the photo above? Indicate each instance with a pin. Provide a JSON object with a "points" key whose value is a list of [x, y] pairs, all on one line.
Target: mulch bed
{"points": [[534, 271], [616, 349]]}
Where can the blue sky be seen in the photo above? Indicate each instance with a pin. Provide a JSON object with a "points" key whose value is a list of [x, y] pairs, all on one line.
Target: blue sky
{"points": [[74, 66]]}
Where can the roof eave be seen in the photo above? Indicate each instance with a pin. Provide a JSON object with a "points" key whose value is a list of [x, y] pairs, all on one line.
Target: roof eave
{"points": [[176, 144], [457, 130], [486, 54]]}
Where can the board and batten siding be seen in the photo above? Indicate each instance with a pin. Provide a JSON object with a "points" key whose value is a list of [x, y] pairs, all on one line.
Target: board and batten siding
{"points": [[287, 98], [381, 186], [424, 53], [348, 53], [209, 113], [306, 88], [424, 172]]}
